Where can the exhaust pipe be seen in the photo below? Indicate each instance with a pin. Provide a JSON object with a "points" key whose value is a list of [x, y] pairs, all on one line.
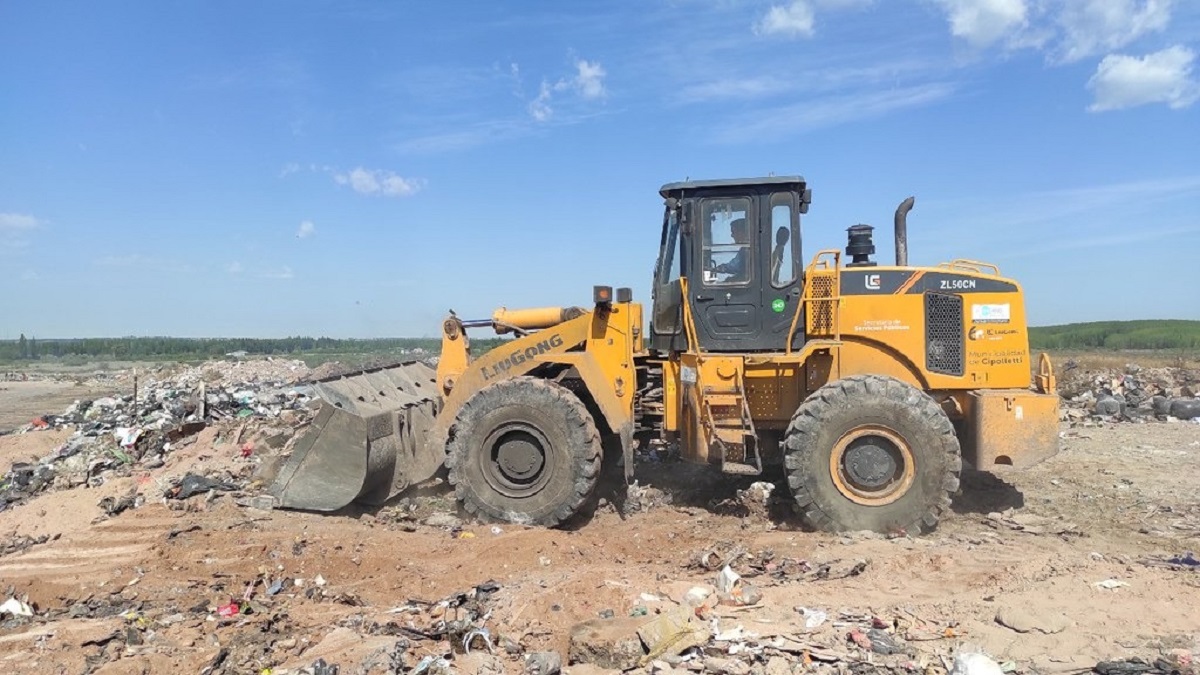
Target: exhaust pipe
{"points": [[902, 231]]}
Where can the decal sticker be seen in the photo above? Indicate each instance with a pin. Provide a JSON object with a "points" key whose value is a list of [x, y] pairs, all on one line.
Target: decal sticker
{"points": [[990, 313], [875, 325], [1011, 357], [981, 333]]}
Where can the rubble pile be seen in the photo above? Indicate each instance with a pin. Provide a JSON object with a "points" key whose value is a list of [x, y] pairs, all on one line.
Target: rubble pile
{"points": [[1134, 394], [163, 411]]}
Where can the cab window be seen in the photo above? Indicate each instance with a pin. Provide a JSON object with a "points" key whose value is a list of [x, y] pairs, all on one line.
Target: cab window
{"points": [[727, 237], [783, 261]]}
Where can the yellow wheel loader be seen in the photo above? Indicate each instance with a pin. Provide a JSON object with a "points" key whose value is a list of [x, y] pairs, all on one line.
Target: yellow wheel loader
{"points": [[869, 383]]}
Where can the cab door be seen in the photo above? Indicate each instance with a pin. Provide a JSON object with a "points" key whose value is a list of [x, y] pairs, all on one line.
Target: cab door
{"points": [[744, 287]]}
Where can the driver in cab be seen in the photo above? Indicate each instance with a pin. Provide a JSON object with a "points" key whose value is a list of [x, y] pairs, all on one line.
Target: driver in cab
{"points": [[736, 266]]}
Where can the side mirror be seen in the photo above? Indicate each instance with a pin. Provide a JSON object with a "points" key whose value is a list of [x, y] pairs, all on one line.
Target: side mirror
{"points": [[805, 200], [782, 235]]}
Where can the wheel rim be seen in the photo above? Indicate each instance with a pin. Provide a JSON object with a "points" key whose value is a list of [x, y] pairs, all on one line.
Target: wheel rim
{"points": [[872, 465], [516, 459]]}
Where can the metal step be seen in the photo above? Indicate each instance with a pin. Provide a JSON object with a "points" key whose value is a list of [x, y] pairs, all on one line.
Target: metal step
{"points": [[740, 469]]}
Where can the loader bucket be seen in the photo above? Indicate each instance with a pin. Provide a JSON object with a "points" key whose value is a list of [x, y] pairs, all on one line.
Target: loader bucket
{"points": [[366, 443]]}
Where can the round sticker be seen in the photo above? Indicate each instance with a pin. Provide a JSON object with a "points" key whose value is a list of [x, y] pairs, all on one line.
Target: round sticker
{"points": [[778, 304]]}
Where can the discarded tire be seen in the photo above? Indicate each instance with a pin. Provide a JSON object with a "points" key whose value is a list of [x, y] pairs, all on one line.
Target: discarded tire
{"points": [[1185, 408], [524, 450], [870, 452]]}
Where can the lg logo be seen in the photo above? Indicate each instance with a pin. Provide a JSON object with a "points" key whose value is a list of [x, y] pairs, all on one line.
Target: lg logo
{"points": [[872, 281]]}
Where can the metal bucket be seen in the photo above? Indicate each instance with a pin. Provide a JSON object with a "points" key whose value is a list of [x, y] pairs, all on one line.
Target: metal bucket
{"points": [[366, 443]]}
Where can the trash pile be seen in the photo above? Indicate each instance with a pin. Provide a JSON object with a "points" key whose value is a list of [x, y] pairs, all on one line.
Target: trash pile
{"points": [[707, 628], [1135, 394], [161, 413]]}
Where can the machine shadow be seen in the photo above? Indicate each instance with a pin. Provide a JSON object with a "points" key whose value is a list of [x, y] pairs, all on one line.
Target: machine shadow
{"points": [[984, 493], [671, 483]]}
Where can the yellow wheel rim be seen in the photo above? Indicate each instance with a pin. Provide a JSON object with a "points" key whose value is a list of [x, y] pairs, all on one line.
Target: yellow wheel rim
{"points": [[872, 465]]}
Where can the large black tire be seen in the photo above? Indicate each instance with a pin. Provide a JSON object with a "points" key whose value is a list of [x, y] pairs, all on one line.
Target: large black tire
{"points": [[871, 452], [524, 450]]}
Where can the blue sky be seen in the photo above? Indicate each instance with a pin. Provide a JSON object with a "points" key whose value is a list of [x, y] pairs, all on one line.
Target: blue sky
{"points": [[355, 169]]}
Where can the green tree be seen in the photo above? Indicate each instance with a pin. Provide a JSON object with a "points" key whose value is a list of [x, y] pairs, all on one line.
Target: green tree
{"points": [[23, 347], [33, 349]]}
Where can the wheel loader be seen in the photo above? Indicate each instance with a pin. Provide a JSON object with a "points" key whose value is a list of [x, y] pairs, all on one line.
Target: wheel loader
{"points": [[871, 384]]}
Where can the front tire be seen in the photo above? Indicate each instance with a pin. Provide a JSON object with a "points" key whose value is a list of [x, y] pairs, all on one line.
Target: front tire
{"points": [[870, 452], [524, 450]]}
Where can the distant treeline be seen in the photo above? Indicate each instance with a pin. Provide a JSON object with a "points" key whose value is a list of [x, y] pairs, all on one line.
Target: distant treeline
{"points": [[1150, 334], [1154, 334], [135, 348]]}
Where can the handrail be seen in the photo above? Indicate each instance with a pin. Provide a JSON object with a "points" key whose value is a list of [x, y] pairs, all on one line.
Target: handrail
{"points": [[689, 322], [972, 265], [820, 263]]}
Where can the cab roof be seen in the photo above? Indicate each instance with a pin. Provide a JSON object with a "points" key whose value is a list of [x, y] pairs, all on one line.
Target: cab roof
{"points": [[675, 188]]}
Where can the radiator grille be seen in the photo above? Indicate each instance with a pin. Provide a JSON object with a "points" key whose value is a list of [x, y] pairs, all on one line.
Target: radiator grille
{"points": [[820, 310], [944, 348]]}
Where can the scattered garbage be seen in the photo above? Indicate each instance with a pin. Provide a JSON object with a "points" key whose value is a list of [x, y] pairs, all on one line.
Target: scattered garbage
{"points": [[732, 590], [543, 663], [114, 435], [14, 607], [1133, 395], [812, 618], [975, 663], [192, 485]]}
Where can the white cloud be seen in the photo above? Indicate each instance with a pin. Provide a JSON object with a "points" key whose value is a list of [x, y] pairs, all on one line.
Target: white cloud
{"points": [[289, 169], [983, 23], [375, 182], [794, 19], [18, 221], [1165, 76], [590, 79], [284, 272], [1092, 27], [539, 107], [588, 83], [307, 229]]}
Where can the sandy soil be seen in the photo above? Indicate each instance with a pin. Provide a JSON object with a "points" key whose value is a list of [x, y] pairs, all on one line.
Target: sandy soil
{"points": [[139, 592], [21, 402]]}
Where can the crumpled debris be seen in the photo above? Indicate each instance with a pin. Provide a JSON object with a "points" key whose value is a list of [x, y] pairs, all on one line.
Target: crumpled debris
{"points": [[1175, 662], [15, 607], [1185, 561], [1133, 395], [19, 543], [115, 505], [192, 484], [974, 663], [732, 590]]}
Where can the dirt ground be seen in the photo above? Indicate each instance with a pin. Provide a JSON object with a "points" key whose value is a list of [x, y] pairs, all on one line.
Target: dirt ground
{"points": [[140, 592], [22, 401]]}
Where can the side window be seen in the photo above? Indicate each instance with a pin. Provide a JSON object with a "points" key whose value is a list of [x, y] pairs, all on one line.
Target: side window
{"points": [[783, 264], [728, 251], [672, 266]]}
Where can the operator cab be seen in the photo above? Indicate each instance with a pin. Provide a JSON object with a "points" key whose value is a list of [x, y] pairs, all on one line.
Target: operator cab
{"points": [[738, 244]]}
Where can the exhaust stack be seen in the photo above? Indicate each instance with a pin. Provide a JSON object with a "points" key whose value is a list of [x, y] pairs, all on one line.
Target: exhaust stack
{"points": [[902, 231]]}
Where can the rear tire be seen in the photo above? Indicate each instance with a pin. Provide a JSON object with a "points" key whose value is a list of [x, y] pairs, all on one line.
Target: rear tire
{"points": [[524, 450], [871, 452]]}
